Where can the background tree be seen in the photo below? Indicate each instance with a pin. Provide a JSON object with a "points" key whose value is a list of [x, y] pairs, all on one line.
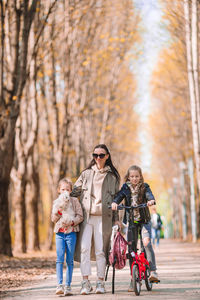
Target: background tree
{"points": [[16, 21], [172, 112]]}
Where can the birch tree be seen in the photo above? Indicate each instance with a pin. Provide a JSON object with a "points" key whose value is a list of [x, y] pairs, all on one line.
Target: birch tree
{"points": [[173, 110], [191, 31]]}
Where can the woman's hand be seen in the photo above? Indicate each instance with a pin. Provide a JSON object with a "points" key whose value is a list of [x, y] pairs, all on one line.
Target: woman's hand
{"points": [[119, 224], [114, 206]]}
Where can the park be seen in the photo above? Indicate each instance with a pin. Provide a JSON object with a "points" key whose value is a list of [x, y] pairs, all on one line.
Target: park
{"points": [[75, 74]]}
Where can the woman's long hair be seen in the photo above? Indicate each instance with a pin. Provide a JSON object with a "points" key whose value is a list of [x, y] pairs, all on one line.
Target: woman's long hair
{"points": [[142, 187], [108, 161]]}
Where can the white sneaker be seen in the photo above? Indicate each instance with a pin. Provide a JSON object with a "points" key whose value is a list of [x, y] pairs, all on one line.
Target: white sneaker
{"points": [[86, 287], [153, 276], [59, 290], [68, 291], [100, 287]]}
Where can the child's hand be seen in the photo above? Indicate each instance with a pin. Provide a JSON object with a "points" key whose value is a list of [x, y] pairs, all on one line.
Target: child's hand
{"points": [[70, 223], [114, 206], [151, 202]]}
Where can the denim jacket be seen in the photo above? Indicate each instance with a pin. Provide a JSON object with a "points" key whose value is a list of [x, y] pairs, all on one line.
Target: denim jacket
{"points": [[125, 193]]}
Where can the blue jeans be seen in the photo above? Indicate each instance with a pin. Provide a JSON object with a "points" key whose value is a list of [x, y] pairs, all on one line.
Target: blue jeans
{"points": [[65, 242], [155, 235]]}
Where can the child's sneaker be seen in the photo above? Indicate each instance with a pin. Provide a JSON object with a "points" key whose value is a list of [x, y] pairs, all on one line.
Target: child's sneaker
{"points": [[67, 291], [100, 287], [153, 276], [86, 287], [59, 290], [130, 289]]}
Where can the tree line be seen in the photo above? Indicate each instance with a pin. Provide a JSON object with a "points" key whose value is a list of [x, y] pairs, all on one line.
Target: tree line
{"points": [[65, 86], [176, 110]]}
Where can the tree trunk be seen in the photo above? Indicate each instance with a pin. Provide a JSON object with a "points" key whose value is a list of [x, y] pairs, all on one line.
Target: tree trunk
{"points": [[32, 200], [192, 66], [19, 185], [192, 200], [183, 202], [33, 187], [53, 180], [56, 132], [26, 133], [18, 18], [18, 174], [105, 118], [7, 133], [5, 238]]}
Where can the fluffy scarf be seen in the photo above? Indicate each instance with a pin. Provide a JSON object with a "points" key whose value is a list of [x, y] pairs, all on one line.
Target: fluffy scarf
{"points": [[135, 193]]}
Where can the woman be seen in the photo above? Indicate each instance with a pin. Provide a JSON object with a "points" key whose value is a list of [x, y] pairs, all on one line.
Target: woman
{"points": [[97, 185]]}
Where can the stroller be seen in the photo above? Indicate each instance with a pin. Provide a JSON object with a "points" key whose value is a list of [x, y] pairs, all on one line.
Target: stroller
{"points": [[117, 255]]}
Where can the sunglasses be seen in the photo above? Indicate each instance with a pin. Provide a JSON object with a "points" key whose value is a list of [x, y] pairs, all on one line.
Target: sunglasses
{"points": [[101, 155]]}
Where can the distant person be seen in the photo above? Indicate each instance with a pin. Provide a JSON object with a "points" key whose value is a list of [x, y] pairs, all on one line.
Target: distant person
{"points": [[66, 214], [135, 192], [97, 186], [156, 224]]}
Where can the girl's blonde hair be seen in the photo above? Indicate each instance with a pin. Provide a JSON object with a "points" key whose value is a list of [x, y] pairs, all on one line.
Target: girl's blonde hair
{"points": [[134, 168], [64, 180], [141, 187]]}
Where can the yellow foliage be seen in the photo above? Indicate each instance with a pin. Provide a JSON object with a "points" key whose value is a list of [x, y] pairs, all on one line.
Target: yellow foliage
{"points": [[40, 74], [80, 72], [49, 72], [85, 63], [96, 81], [172, 143]]}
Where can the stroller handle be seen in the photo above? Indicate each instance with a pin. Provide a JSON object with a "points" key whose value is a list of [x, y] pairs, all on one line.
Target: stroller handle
{"points": [[120, 207]]}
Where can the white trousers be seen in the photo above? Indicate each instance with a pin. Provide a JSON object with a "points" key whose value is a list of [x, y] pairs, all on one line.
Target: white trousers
{"points": [[93, 228]]}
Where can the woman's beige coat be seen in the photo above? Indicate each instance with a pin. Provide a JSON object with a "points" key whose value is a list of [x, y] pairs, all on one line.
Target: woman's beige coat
{"points": [[82, 188]]}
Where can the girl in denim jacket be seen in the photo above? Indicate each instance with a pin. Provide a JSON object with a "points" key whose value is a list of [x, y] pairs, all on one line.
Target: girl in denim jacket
{"points": [[135, 192]]}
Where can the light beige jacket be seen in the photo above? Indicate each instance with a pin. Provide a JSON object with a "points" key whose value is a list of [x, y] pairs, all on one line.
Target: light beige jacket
{"points": [[77, 219], [83, 188]]}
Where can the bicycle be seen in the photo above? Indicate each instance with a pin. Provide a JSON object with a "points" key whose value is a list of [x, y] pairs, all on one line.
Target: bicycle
{"points": [[140, 269]]}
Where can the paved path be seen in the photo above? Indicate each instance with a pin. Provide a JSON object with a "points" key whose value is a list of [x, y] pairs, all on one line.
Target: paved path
{"points": [[178, 268]]}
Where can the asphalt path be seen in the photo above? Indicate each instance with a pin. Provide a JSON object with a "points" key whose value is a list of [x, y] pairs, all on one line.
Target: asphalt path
{"points": [[178, 266]]}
